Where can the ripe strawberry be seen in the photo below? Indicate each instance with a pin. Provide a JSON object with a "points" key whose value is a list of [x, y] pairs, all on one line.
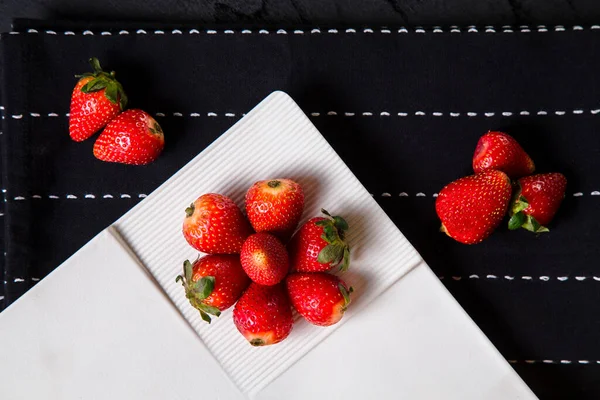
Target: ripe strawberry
{"points": [[97, 98], [319, 297], [264, 259], [263, 314], [214, 224], [497, 150], [213, 283], [275, 206], [320, 244], [537, 200], [133, 137], [472, 207]]}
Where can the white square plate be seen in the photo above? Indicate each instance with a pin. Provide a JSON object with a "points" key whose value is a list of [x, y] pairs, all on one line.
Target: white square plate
{"points": [[411, 341]]}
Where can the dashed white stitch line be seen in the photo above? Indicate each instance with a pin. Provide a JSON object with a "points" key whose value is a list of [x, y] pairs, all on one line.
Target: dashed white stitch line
{"points": [[578, 28], [176, 32], [123, 32], [385, 194], [71, 196], [142, 195], [125, 196], [548, 361], [159, 114], [506, 113], [437, 29], [108, 196], [595, 27], [53, 197], [368, 30], [559, 112], [524, 113], [349, 114], [595, 193], [384, 114], [263, 32], [52, 114], [35, 115], [106, 33], [19, 198], [350, 30], [472, 114], [474, 276], [50, 32], [526, 278], [578, 112], [17, 116], [509, 278], [17, 280], [512, 361], [331, 113], [389, 31], [544, 278], [230, 32], [595, 111], [315, 30], [141, 32], [562, 278], [489, 114], [472, 29], [367, 114], [559, 28], [434, 195], [402, 114], [437, 114], [454, 114], [580, 278], [86, 32], [529, 361], [542, 112], [281, 32], [35, 279], [403, 194], [457, 278], [211, 32], [583, 361], [491, 276], [565, 361], [89, 196], [230, 115], [578, 194], [332, 31], [420, 194], [196, 32], [298, 32], [194, 115], [454, 30], [419, 30], [177, 114], [159, 32], [69, 33], [315, 114], [403, 30], [419, 113]]}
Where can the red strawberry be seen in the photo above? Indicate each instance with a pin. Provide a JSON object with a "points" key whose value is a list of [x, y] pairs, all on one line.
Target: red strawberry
{"points": [[537, 201], [497, 150], [472, 207], [264, 259], [214, 224], [263, 314], [320, 244], [275, 206], [319, 297], [134, 137], [97, 98], [213, 283]]}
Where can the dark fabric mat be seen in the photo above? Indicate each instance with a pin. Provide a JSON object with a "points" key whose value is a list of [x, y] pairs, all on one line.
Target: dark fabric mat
{"points": [[535, 297]]}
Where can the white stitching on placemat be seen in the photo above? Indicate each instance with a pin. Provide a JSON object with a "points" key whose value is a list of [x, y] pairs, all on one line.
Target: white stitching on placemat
{"points": [[383, 30], [562, 362], [543, 278]]}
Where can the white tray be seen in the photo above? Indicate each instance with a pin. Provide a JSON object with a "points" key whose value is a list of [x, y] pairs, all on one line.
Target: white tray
{"points": [[403, 336]]}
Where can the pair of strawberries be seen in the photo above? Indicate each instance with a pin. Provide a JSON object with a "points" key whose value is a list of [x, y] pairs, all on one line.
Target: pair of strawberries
{"points": [[257, 272], [471, 208], [129, 137]]}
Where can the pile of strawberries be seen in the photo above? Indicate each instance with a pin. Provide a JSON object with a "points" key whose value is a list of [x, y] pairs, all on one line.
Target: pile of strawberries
{"points": [[129, 137], [254, 264], [472, 207]]}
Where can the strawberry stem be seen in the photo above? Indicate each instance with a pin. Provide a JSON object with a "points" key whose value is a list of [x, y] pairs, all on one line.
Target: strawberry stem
{"points": [[274, 183]]}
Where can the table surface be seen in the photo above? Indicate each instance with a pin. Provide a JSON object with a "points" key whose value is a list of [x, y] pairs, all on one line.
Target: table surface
{"points": [[572, 373], [352, 12]]}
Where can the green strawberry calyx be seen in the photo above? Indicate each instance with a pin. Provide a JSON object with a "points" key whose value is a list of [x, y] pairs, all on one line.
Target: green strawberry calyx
{"points": [[196, 292], [346, 294], [519, 219], [113, 90], [337, 251]]}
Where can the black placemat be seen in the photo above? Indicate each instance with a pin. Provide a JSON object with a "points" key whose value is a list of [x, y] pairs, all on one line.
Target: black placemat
{"points": [[404, 109]]}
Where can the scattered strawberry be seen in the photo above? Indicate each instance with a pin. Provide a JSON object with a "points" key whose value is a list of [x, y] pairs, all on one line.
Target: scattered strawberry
{"points": [[320, 244], [97, 98], [214, 224], [497, 150], [213, 283], [264, 259], [275, 206], [263, 314], [472, 207], [319, 297], [536, 201], [133, 137]]}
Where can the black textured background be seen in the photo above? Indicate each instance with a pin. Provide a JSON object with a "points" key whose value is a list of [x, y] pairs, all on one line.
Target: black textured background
{"points": [[548, 329]]}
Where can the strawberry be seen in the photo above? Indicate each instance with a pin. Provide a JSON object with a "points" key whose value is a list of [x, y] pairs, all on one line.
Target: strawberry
{"points": [[133, 137], [319, 297], [320, 244], [472, 207], [97, 98], [263, 314], [275, 206], [213, 283], [264, 259], [497, 150], [536, 201], [214, 224]]}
